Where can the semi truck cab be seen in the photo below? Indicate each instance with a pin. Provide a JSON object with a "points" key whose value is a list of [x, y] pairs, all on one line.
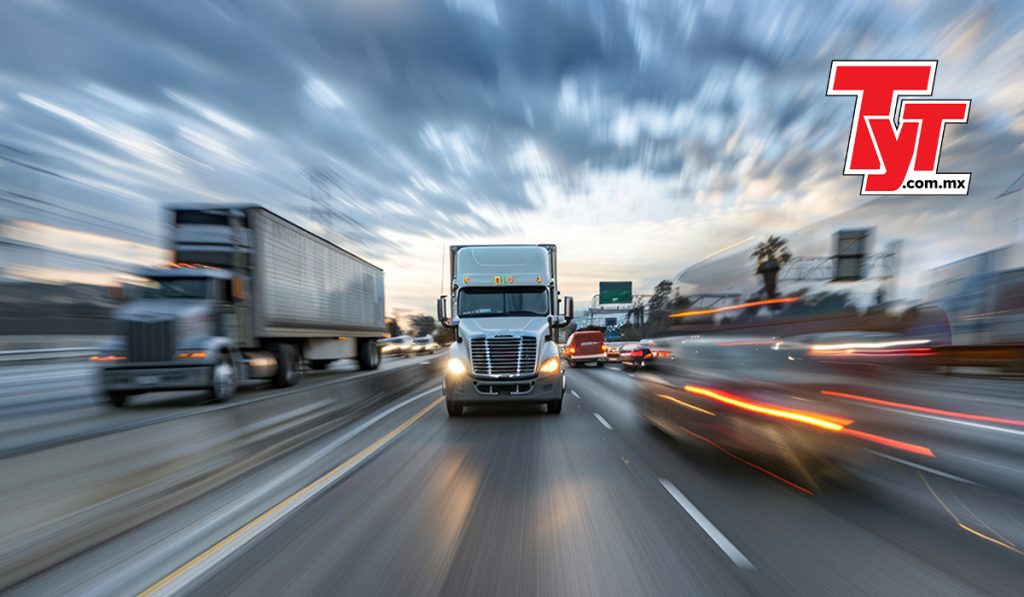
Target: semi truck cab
{"points": [[505, 314], [176, 336]]}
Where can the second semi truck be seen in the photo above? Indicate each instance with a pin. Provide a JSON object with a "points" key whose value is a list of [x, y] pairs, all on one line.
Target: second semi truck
{"points": [[250, 296]]}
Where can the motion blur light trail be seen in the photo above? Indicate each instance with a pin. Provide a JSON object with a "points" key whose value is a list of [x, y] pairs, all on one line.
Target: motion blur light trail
{"points": [[778, 301], [925, 409], [876, 352], [686, 404], [892, 443], [1001, 542], [868, 345], [814, 419]]}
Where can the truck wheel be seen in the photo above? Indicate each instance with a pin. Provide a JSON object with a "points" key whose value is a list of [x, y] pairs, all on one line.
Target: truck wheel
{"points": [[118, 399], [320, 364], [454, 410], [368, 354], [287, 365], [554, 407], [223, 380], [600, 363]]}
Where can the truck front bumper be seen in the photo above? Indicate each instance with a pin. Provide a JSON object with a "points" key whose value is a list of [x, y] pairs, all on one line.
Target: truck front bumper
{"points": [[469, 390], [157, 379]]}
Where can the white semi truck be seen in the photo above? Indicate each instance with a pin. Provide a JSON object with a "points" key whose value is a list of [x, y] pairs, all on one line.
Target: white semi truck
{"points": [[505, 314], [250, 296]]}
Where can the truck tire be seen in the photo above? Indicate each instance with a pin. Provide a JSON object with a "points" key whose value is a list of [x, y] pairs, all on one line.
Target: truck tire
{"points": [[320, 364], [454, 410], [118, 399], [554, 407], [368, 354], [288, 372], [224, 380]]}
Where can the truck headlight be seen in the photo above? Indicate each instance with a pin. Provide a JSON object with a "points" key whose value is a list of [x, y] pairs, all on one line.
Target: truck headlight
{"points": [[551, 365], [456, 367]]}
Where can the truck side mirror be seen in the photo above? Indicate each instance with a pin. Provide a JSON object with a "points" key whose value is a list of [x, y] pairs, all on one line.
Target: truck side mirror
{"points": [[442, 312], [568, 308]]}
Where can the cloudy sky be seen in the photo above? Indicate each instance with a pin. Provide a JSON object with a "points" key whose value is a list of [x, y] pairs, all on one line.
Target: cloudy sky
{"points": [[639, 135]]}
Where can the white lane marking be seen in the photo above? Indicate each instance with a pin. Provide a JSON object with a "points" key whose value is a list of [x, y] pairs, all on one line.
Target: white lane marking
{"points": [[573, 392], [946, 419], [720, 540], [601, 420], [211, 558], [924, 468], [966, 423], [657, 378], [324, 451]]}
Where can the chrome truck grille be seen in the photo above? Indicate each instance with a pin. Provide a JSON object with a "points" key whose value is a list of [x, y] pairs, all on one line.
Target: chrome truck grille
{"points": [[504, 355], [150, 341]]}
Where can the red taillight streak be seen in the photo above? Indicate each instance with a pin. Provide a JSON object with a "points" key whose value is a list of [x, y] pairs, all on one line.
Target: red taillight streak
{"points": [[749, 343], [892, 443], [808, 418], [925, 409], [902, 352], [748, 463]]}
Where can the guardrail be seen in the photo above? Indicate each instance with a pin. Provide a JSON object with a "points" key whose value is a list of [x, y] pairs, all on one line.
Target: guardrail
{"points": [[63, 500], [45, 355]]}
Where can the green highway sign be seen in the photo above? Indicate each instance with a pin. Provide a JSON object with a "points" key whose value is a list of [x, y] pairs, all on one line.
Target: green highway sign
{"points": [[616, 293]]}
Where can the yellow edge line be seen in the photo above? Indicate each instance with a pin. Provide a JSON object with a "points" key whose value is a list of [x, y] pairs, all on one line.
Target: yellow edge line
{"points": [[336, 471]]}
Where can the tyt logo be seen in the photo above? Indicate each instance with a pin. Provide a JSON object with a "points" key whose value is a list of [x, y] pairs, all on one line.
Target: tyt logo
{"points": [[898, 155]]}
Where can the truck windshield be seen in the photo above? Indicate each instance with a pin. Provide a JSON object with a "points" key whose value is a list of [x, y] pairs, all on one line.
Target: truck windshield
{"points": [[495, 302], [191, 288]]}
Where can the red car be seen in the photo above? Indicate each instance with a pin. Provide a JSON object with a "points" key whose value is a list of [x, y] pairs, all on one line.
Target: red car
{"points": [[586, 347]]}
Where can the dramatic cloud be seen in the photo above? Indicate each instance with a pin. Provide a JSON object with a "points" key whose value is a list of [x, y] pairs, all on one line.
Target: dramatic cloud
{"points": [[639, 134]]}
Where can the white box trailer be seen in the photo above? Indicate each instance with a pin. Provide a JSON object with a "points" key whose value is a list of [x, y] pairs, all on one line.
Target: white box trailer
{"points": [[305, 285]]}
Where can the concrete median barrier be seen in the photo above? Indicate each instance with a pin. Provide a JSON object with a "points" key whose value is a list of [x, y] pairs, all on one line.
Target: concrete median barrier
{"points": [[63, 500], [45, 356]]}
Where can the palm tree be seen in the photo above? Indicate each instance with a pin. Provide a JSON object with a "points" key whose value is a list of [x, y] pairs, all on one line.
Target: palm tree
{"points": [[771, 255]]}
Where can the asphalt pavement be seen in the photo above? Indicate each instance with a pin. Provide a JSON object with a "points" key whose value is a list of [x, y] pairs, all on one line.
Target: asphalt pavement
{"points": [[508, 500]]}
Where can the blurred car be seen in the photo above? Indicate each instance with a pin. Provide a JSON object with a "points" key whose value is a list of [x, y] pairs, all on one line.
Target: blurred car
{"points": [[612, 350], [425, 345], [586, 347], [803, 438], [635, 354], [855, 348], [397, 346], [659, 349]]}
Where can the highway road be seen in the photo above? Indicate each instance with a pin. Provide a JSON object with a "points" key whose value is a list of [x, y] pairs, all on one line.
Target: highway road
{"points": [[510, 501], [43, 405]]}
